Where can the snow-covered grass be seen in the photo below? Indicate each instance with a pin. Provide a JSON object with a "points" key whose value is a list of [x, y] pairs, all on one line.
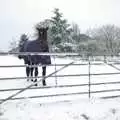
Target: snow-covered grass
{"points": [[74, 107], [74, 110]]}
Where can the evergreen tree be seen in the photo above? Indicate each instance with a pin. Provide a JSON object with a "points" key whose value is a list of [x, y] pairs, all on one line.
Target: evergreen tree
{"points": [[23, 39], [13, 46], [59, 31]]}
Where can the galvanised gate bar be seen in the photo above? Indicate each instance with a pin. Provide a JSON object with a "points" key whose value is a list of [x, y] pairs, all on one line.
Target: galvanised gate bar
{"points": [[90, 61]]}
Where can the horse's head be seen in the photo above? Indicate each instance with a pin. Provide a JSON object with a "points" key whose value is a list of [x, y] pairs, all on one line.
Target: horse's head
{"points": [[42, 33]]}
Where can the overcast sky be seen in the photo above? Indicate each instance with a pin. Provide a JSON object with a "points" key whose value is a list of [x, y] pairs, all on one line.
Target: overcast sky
{"points": [[20, 16]]}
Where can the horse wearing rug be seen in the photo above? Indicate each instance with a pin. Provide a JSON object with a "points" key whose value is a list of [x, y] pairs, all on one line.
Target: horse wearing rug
{"points": [[38, 45]]}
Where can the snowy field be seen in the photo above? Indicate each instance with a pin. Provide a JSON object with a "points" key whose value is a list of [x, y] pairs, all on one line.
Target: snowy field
{"points": [[73, 107]]}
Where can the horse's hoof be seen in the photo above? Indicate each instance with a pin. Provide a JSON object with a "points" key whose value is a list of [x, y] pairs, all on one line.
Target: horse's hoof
{"points": [[36, 84], [35, 80], [44, 83], [32, 80]]}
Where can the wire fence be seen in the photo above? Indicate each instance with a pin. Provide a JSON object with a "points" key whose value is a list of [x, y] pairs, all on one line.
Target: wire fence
{"points": [[90, 61]]}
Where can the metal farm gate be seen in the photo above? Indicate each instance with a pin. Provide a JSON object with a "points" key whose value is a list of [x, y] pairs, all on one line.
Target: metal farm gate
{"points": [[111, 61]]}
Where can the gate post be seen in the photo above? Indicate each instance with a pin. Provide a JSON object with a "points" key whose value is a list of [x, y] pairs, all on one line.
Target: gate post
{"points": [[55, 73], [105, 59], [89, 66]]}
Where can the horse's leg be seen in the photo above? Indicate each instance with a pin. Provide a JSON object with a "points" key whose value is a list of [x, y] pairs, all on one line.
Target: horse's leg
{"points": [[43, 75], [36, 74], [31, 72], [27, 72]]}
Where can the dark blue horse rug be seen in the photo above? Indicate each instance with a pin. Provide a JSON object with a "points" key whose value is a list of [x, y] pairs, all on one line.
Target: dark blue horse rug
{"points": [[36, 46]]}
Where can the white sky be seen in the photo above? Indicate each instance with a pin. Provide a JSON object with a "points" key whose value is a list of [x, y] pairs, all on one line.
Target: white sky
{"points": [[20, 16]]}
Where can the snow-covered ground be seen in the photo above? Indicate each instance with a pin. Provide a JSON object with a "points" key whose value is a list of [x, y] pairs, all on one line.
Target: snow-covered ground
{"points": [[74, 110], [75, 107]]}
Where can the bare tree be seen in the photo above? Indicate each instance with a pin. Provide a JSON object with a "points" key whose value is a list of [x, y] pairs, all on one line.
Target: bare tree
{"points": [[109, 35], [75, 33]]}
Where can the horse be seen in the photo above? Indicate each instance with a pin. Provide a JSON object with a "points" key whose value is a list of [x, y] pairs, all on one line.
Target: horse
{"points": [[38, 45]]}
